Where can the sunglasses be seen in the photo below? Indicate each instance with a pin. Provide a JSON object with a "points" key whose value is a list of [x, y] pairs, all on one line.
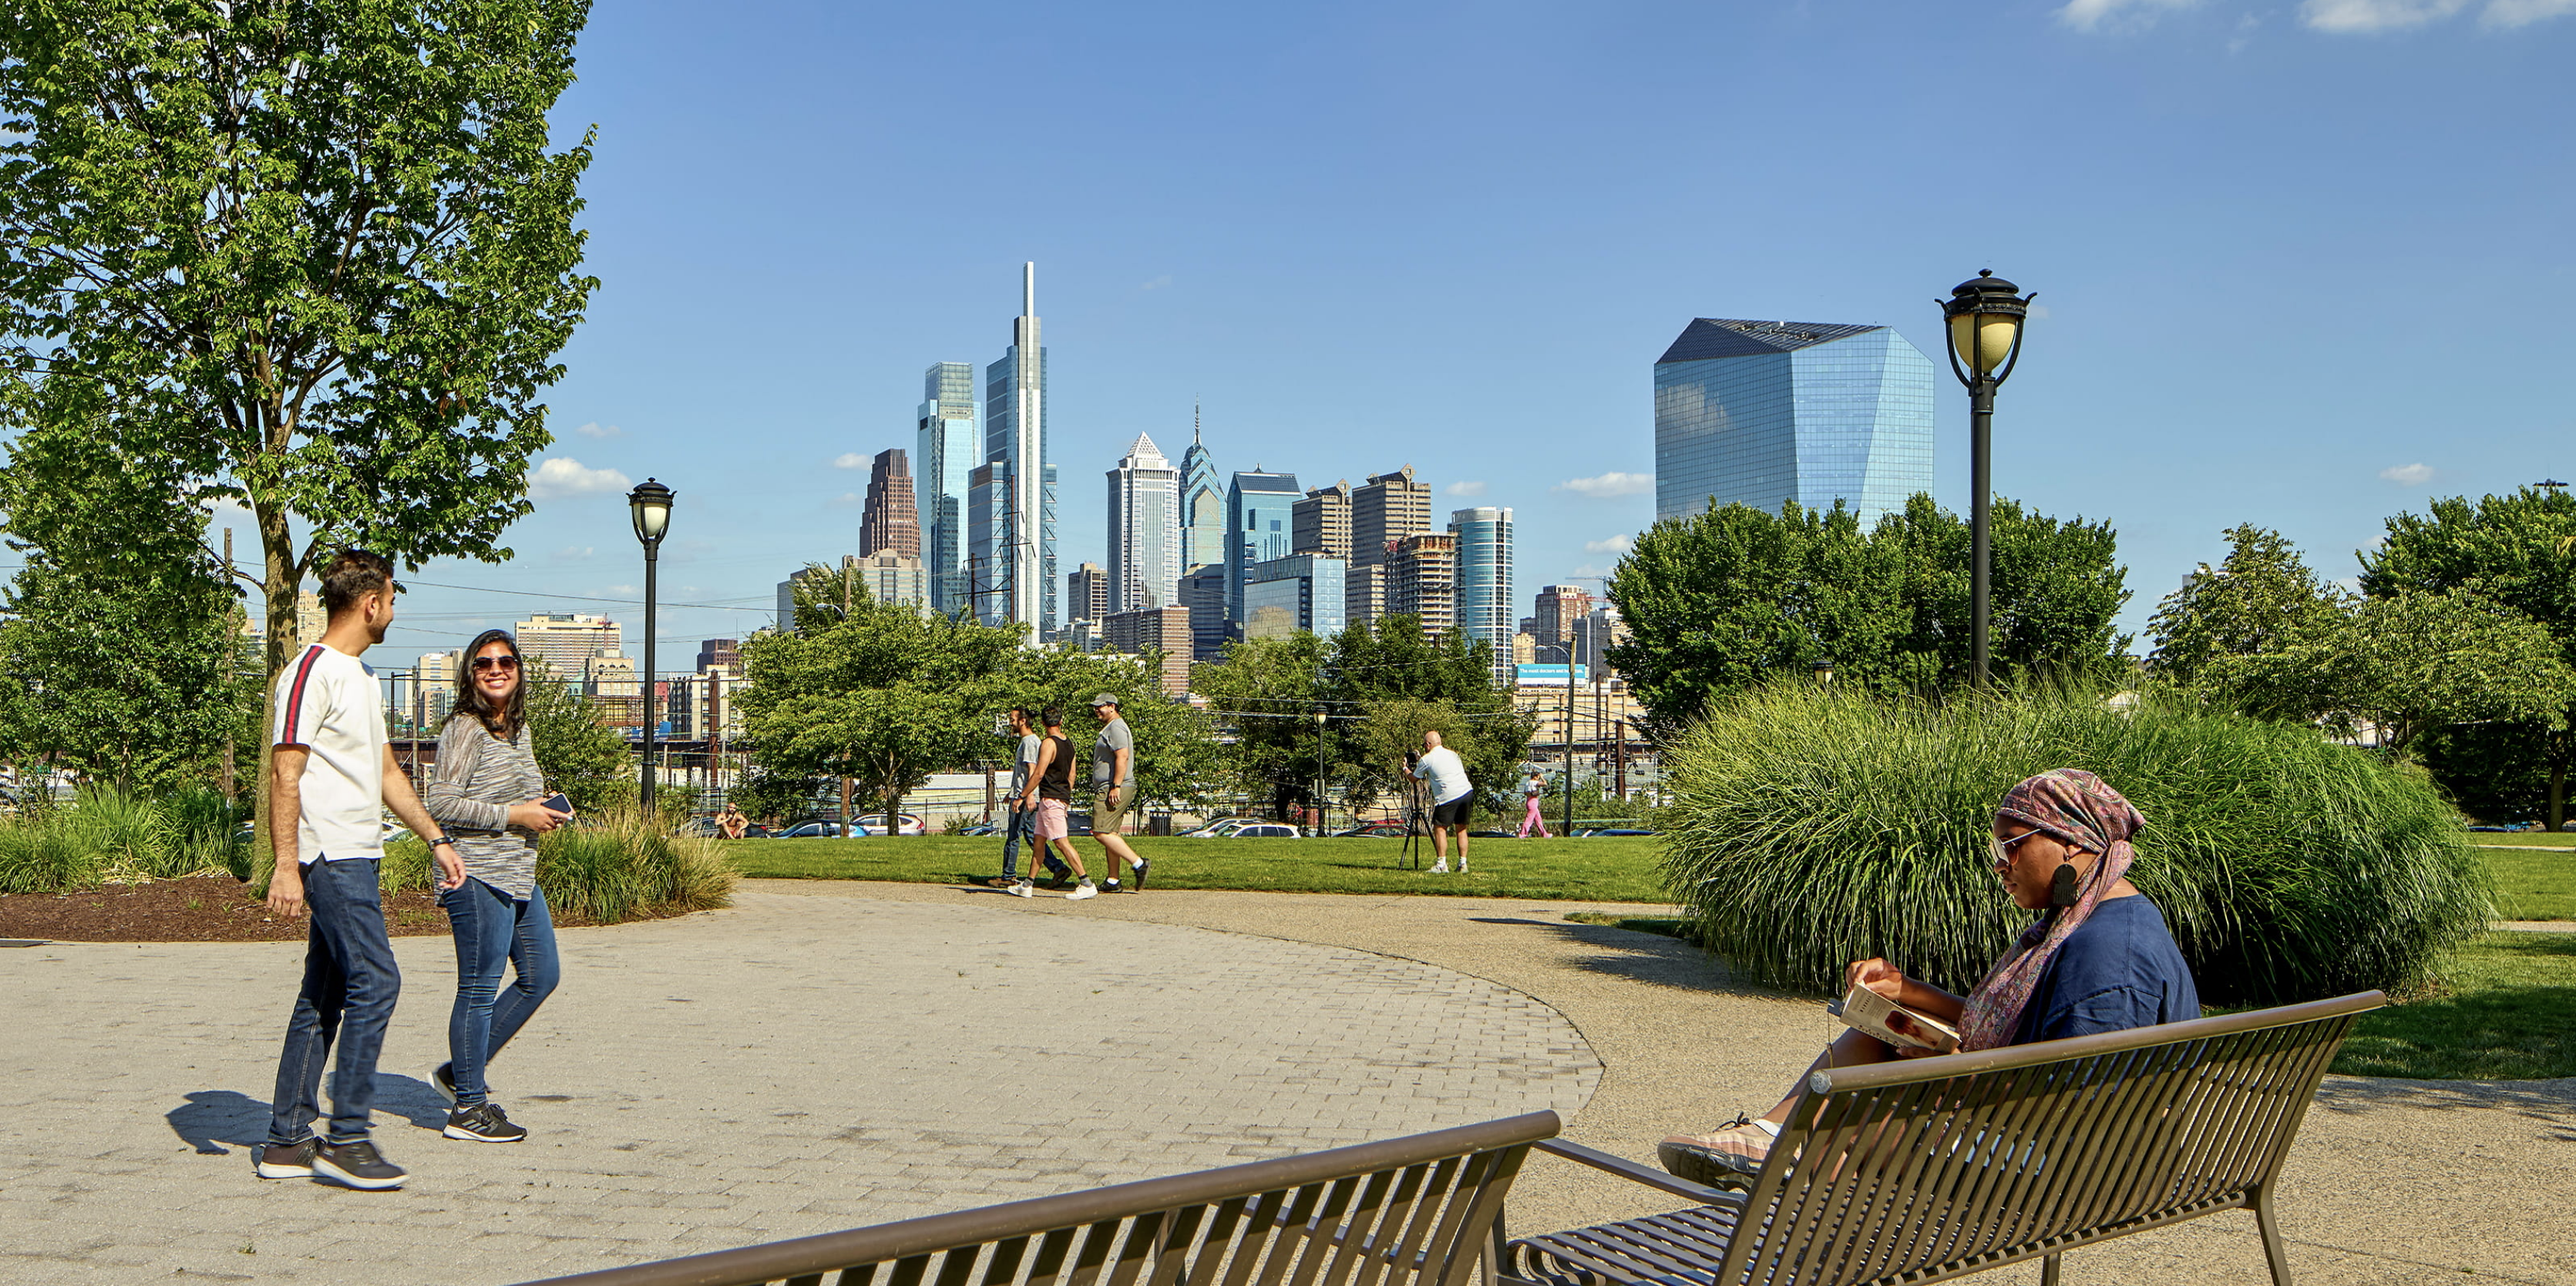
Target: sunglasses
{"points": [[2001, 849], [504, 664]]}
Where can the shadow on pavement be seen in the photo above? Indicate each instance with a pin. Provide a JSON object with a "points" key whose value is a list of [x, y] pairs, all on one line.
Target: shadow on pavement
{"points": [[1644, 957], [212, 1118]]}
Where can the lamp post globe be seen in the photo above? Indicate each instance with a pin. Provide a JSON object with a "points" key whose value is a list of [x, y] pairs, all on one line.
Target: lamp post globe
{"points": [[649, 504], [1984, 316]]}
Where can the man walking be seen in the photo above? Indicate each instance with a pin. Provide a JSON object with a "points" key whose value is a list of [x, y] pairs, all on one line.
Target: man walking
{"points": [[1113, 789], [1532, 791], [1451, 796], [1020, 812], [329, 771]]}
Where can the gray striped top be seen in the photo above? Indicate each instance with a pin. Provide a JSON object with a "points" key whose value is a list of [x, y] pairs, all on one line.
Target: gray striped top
{"points": [[479, 777]]}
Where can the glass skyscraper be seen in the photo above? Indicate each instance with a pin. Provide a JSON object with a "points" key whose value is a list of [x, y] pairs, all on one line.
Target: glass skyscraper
{"points": [[1202, 505], [1259, 518], [1484, 536], [948, 449], [1144, 530], [1756, 413], [1017, 561], [1299, 592]]}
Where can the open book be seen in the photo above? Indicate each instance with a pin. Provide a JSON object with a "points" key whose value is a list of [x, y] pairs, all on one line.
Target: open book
{"points": [[1866, 1010]]}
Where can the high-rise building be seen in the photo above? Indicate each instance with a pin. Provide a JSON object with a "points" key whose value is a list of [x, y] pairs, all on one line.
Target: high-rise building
{"points": [[1559, 607], [1020, 550], [610, 683], [1757, 413], [1259, 507], [834, 584], [1388, 508], [1321, 523], [1144, 530], [890, 520], [889, 577], [1485, 580], [1164, 630], [566, 643], [310, 619], [1422, 582], [950, 445], [1594, 632], [1203, 592], [1202, 505], [721, 654], [1286, 595], [1086, 595], [433, 692]]}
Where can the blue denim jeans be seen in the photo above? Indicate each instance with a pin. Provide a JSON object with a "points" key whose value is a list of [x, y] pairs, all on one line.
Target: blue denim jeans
{"points": [[350, 985], [492, 928]]}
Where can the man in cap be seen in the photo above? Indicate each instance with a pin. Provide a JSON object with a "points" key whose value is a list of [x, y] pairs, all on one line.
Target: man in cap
{"points": [[1113, 789]]}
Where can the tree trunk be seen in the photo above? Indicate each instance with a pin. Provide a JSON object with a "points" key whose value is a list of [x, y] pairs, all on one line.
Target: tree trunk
{"points": [[2558, 744], [280, 577]]}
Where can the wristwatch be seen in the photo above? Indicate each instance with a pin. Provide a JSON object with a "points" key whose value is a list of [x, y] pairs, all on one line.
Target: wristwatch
{"points": [[436, 840]]}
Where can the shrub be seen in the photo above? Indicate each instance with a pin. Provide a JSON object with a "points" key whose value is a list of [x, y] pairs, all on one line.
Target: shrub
{"points": [[204, 830], [1811, 828], [39, 854], [623, 866]]}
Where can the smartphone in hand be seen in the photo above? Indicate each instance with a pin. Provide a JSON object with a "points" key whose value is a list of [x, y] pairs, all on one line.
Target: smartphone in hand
{"points": [[556, 802]]}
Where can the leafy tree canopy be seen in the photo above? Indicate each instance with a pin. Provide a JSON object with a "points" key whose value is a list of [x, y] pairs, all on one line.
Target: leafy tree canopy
{"points": [[2262, 598], [1729, 599], [576, 749], [317, 256], [2404, 665]]}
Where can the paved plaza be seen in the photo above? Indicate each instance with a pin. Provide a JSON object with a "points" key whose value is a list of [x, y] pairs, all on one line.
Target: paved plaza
{"points": [[826, 1055]]}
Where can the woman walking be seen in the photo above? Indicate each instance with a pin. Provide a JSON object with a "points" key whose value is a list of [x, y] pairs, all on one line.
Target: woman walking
{"points": [[1533, 791], [490, 796]]}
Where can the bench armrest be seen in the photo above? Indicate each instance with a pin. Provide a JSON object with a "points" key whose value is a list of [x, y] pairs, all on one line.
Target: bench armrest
{"points": [[1635, 1173]]}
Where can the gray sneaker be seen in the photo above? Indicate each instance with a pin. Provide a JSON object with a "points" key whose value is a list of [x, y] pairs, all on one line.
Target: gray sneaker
{"points": [[1024, 889], [279, 1161], [357, 1165]]}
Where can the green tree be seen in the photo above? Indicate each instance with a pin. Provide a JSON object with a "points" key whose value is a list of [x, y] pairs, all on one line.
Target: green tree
{"points": [[1267, 691], [2404, 665], [2261, 598], [1733, 598], [119, 655], [1179, 762], [577, 751], [317, 256], [2518, 550]]}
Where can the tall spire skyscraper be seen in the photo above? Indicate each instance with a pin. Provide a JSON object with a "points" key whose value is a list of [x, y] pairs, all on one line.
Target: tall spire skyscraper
{"points": [[1202, 504], [1144, 530], [1018, 555]]}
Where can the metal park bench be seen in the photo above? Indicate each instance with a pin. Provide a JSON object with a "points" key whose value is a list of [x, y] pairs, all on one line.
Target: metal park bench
{"points": [[1415, 1211], [1924, 1169]]}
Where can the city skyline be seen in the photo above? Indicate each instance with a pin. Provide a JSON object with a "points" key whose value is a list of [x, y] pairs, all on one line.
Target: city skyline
{"points": [[1340, 293]]}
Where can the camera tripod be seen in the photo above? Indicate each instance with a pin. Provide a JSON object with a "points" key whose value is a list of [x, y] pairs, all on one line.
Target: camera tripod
{"points": [[1416, 820]]}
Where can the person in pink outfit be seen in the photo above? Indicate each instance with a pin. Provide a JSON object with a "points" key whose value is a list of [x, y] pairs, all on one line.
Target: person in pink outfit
{"points": [[1532, 791]]}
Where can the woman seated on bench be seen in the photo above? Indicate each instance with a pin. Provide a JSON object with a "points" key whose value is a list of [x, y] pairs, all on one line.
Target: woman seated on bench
{"points": [[2099, 958]]}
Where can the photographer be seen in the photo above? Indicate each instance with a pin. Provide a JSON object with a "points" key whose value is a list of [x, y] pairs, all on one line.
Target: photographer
{"points": [[1451, 797]]}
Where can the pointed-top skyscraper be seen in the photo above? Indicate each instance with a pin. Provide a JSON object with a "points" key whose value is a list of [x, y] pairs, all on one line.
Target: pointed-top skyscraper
{"points": [[1017, 555], [1144, 530], [1202, 503]]}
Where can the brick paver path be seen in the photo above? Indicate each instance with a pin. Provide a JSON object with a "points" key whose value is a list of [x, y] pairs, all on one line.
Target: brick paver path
{"points": [[791, 1066]]}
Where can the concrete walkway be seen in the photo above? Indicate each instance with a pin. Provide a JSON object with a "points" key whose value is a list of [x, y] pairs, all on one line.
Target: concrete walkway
{"points": [[826, 1055]]}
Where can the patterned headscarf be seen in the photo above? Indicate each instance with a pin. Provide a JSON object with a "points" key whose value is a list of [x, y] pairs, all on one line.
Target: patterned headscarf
{"points": [[2078, 809]]}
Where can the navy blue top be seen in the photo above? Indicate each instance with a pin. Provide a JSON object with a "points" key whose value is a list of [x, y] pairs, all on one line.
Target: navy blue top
{"points": [[2119, 969]]}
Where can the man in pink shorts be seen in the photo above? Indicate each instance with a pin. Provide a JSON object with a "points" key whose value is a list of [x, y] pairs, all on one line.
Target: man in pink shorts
{"points": [[1051, 800]]}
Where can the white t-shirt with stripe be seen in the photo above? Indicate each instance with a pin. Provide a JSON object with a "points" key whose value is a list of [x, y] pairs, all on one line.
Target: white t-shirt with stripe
{"points": [[327, 704]]}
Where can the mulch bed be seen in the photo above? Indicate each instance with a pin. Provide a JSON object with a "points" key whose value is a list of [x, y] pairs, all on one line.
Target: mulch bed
{"points": [[197, 908]]}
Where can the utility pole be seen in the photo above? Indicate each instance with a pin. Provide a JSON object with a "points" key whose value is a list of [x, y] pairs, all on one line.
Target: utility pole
{"points": [[1619, 729], [1569, 743]]}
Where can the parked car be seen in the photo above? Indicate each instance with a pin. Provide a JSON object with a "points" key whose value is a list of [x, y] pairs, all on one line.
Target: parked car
{"points": [[1374, 830], [1614, 830], [875, 824], [981, 828], [1265, 830], [813, 830], [1218, 828]]}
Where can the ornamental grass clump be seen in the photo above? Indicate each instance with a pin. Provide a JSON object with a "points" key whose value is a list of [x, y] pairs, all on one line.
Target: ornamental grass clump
{"points": [[625, 866], [1811, 828]]}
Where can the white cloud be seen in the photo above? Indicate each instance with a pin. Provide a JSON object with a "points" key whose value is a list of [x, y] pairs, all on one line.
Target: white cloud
{"points": [[595, 429], [1464, 489], [1609, 486], [2408, 475], [574, 551], [565, 476], [1614, 545], [2368, 16], [849, 460], [621, 591], [2118, 15], [2508, 14], [1158, 283], [845, 500]]}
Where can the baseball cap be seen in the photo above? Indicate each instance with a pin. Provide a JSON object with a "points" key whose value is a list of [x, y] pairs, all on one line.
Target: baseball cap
{"points": [[1104, 699]]}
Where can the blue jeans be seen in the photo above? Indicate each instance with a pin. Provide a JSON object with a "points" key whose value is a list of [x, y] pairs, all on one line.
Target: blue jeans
{"points": [[493, 927], [350, 985], [1024, 826]]}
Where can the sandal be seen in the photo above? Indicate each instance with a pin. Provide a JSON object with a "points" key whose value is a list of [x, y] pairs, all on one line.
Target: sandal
{"points": [[1728, 1156]]}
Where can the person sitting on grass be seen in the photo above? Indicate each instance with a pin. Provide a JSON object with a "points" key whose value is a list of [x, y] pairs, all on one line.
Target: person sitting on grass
{"points": [[2098, 959]]}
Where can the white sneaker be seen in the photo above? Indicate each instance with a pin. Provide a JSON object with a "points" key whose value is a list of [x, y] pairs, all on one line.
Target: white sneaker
{"points": [[1087, 890], [1438, 868], [1462, 866], [1023, 889]]}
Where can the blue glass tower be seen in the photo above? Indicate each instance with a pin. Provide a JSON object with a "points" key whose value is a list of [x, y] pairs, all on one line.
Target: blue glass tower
{"points": [[1286, 595], [949, 446], [1756, 413], [1485, 609], [1259, 526]]}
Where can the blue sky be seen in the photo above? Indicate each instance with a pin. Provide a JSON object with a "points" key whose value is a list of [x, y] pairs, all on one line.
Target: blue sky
{"points": [[2303, 264]]}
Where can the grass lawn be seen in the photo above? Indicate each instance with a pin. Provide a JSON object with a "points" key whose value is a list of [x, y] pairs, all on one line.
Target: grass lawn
{"points": [[1612, 869], [2524, 839], [2533, 886]]}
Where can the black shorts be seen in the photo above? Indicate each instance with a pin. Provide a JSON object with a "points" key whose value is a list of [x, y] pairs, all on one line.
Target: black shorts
{"points": [[1453, 813]]}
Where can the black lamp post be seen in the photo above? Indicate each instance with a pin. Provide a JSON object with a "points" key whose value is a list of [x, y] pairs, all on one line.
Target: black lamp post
{"points": [[1321, 771], [1985, 318], [650, 505]]}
